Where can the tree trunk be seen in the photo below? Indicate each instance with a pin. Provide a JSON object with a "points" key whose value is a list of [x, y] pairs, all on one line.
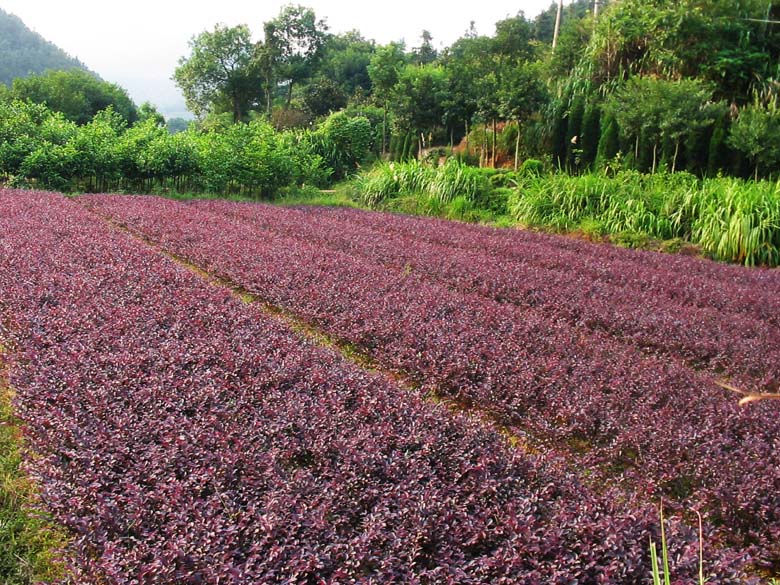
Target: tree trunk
{"points": [[467, 137], [674, 158], [557, 29], [269, 100], [655, 149], [384, 130], [517, 146], [289, 95], [493, 158]]}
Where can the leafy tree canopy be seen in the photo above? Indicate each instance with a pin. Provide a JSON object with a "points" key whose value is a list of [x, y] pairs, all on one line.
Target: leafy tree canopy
{"points": [[294, 41], [221, 73], [79, 95]]}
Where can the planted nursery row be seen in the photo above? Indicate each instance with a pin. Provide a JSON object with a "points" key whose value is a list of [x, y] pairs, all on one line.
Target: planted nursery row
{"points": [[648, 425], [705, 284], [184, 436], [727, 340]]}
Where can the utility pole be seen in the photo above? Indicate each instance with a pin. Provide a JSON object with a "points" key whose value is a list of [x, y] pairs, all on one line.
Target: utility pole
{"points": [[557, 24]]}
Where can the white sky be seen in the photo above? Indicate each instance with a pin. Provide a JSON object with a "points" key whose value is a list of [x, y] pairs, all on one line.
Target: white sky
{"points": [[138, 44]]}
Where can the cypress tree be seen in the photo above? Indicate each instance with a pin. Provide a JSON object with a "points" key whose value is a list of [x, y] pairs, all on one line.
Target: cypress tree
{"points": [[411, 154], [574, 131], [715, 157], [404, 154], [394, 147], [609, 141], [560, 124], [696, 150], [590, 135], [645, 161]]}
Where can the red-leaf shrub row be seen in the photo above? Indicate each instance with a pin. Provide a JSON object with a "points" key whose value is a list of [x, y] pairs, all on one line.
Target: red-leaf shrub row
{"points": [[724, 339], [649, 424], [696, 282], [188, 438]]}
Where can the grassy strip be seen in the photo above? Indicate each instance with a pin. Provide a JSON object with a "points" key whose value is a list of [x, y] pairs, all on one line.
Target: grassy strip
{"points": [[728, 219], [29, 541], [339, 197]]}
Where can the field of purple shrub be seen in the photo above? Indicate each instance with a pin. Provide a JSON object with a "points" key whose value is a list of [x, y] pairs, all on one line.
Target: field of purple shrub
{"points": [[185, 436], [732, 330], [645, 422]]}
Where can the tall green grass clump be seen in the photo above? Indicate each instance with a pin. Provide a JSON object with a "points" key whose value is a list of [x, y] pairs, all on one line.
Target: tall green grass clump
{"points": [[737, 220], [444, 183], [730, 219]]}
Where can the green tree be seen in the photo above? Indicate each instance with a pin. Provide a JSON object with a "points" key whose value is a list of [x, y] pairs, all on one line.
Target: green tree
{"points": [[609, 140], [716, 149], [466, 62], [176, 125], [543, 25], [574, 132], [95, 157], [26, 127], [512, 41], [756, 133], [147, 110], [79, 95], [384, 69], [247, 158], [324, 96], [590, 134], [425, 53], [686, 108], [294, 41], [222, 73], [419, 98], [655, 110], [345, 61], [720, 41], [133, 148], [344, 142], [521, 94]]}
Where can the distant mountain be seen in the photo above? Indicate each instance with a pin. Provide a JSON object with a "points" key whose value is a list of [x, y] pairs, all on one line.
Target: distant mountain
{"points": [[24, 52]]}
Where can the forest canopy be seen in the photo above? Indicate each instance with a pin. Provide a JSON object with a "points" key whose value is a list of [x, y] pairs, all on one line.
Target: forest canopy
{"points": [[644, 85]]}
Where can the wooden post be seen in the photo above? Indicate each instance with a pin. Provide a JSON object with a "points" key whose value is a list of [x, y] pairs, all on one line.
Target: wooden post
{"points": [[557, 24]]}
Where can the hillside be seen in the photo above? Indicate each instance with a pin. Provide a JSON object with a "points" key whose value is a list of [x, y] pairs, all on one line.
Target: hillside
{"points": [[24, 52]]}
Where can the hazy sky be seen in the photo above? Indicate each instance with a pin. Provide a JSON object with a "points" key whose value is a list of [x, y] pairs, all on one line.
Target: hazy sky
{"points": [[138, 44]]}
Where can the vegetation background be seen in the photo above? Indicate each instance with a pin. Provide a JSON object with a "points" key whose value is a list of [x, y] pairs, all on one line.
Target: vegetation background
{"points": [[565, 133]]}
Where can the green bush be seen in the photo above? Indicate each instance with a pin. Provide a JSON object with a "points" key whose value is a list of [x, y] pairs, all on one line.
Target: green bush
{"points": [[531, 168], [39, 148], [444, 183], [503, 179], [344, 143], [731, 219]]}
